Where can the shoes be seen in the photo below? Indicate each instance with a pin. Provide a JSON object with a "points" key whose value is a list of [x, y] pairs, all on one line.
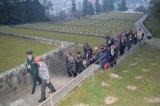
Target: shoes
{"points": [[41, 100], [39, 83], [52, 91], [33, 91], [69, 76]]}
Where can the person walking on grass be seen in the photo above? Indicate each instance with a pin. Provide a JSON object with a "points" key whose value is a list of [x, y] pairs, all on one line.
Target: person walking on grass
{"points": [[32, 68], [44, 75]]}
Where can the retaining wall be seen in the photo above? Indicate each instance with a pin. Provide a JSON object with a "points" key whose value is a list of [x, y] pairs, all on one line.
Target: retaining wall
{"points": [[56, 61]]}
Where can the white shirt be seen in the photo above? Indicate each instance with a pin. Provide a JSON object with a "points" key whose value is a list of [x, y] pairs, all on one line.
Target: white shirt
{"points": [[139, 34], [43, 71]]}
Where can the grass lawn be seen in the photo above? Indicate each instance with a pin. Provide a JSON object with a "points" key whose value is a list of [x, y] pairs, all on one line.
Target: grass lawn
{"points": [[153, 25], [111, 26], [83, 22], [117, 15], [12, 51], [144, 62], [94, 41], [102, 24]]}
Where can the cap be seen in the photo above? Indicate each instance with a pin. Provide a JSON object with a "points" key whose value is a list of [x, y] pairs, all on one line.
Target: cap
{"points": [[29, 52]]}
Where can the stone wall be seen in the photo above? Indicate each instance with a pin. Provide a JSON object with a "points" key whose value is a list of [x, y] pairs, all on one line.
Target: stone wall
{"points": [[16, 77]]}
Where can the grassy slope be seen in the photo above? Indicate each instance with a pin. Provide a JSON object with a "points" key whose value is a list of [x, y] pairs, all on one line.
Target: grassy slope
{"points": [[153, 25], [107, 27], [108, 23], [117, 15], [93, 94], [58, 36], [81, 39], [12, 51]]}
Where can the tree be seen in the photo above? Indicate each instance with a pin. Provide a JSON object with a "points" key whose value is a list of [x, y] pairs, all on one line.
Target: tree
{"points": [[62, 15], [122, 6], [48, 5], [108, 5], [98, 7], [3, 12], [105, 5], [73, 8], [155, 8], [90, 9], [111, 5], [21, 11], [141, 8], [85, 7]]}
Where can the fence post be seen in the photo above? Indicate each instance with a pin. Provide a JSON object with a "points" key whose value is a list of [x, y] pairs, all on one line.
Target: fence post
{"points": [[92, 73], [51, 99]]}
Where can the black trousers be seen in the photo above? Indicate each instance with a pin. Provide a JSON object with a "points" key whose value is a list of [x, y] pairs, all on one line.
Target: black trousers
{"points": [[35, 78]]}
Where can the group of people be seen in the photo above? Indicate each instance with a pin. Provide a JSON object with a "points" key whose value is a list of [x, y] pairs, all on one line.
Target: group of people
{"points": [[105, 55]]}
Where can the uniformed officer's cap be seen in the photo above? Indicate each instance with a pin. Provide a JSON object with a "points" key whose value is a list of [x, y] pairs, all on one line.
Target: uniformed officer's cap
{"points": [[29, 52]]}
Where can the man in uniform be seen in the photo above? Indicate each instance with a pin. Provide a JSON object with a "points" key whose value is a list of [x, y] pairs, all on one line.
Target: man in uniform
{"points": [[32, 68]]}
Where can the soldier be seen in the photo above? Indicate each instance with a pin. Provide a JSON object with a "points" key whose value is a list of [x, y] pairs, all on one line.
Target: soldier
{"points": [[32, 68]]}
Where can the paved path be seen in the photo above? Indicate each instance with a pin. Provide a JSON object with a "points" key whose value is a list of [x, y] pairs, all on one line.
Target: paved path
{"points": [[25, 93]]}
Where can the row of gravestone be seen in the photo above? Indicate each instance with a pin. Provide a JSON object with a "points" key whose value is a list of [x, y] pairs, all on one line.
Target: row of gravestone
{"points": [[79, 31], [100, 28]]}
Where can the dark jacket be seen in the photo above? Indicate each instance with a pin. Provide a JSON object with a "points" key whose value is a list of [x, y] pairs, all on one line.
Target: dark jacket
{"points": [[74, 66], [32, 67]]}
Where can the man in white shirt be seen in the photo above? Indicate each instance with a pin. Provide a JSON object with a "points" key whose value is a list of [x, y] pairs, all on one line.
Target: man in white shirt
{"points": [[44, 75]]}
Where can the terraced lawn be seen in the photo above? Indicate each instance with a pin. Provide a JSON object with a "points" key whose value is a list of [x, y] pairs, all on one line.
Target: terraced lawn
{"points": [[12, 51], [82, 21], [102, 24], [111, 26], [94, 41], [135, 82], [153, 24], [117, 15]]}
